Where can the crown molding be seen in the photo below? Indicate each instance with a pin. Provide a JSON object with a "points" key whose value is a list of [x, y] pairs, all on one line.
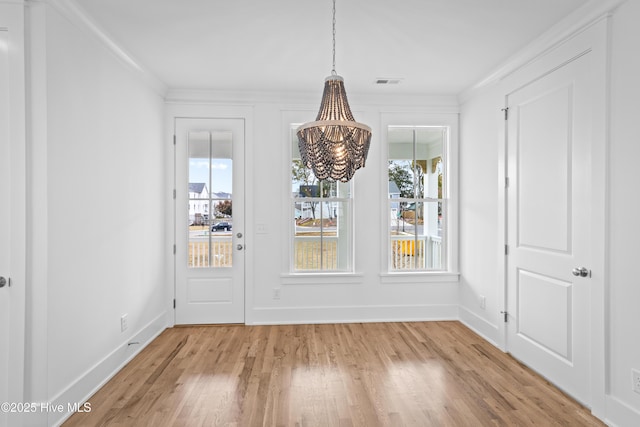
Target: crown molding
{"points": [[190, 96], [572, 25], [79, 17]]}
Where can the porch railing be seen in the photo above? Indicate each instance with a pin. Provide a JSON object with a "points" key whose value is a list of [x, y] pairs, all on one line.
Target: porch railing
{"points": [[409, 253], [221, 254], [311, 253]]}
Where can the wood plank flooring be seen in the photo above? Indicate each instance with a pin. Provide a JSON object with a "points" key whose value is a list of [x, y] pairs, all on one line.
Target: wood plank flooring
{"points": [[373, 374]]}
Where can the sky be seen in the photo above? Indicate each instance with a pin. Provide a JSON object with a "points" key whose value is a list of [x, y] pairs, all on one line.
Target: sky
{"points": [[221, 174]]}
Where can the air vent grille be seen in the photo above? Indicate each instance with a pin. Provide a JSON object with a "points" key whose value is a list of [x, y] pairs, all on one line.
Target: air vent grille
{"points": [[387, 81]]}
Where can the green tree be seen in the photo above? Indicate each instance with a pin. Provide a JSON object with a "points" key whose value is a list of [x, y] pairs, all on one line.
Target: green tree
{"points": [[400, 173], [224, 208], [403, 173]]}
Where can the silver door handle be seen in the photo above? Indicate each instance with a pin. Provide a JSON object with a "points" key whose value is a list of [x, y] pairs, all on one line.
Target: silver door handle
{"points": [[3, 282], [581, 272], [239, 247]]}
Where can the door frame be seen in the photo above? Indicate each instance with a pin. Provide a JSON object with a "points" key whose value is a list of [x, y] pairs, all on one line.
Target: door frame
{"points": [[593, 39], [13, 23], [182, 109], [227, 311]]}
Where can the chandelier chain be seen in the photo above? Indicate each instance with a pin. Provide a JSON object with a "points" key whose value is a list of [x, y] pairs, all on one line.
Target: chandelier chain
{"points": [[333, 70], [334, 146]]}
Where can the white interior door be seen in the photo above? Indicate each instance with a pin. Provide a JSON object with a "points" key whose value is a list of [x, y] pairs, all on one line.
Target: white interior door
{"points": [[209, 220], [12, 212], [549, 142], [5, 179]]}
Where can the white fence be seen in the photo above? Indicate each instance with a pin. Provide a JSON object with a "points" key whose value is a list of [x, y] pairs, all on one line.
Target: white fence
{"points": [[311, 253], [411, 253], [221, 254]]}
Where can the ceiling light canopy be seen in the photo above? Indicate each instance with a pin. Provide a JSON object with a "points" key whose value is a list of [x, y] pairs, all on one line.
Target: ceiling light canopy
{"points": [[334, 146]]}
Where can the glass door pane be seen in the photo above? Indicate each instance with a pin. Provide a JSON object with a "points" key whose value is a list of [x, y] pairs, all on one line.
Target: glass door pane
{"points": [[210, 205]]}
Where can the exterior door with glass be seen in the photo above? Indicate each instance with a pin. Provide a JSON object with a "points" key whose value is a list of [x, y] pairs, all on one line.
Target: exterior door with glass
{"points": [[209, 227]]}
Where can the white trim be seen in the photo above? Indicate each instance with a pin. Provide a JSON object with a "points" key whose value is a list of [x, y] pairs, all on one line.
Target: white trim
{"points": [[567, 28], [311, 100], [599, 207], [80, 390], [12, 21], [481, 326], [620, 414], [207, 110], [354, 314], [419, 277], [71, 10], [420, 118], [319, 278], [36, 360]]}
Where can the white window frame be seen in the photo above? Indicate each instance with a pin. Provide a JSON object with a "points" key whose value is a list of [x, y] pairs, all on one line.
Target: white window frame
{"points": [[450, 271], [348, 275]]}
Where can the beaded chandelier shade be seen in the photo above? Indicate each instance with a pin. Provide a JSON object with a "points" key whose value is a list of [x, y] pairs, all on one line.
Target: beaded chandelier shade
{"points": [[334, 146]]}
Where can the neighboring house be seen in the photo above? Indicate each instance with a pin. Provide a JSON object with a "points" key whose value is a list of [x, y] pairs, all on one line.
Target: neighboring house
{"points": [[316, 210], [198, 203], [221, 195], [199, 199]]}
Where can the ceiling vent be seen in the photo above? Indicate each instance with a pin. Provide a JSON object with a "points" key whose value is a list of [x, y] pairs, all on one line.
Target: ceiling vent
{"points": [[387, 81]]}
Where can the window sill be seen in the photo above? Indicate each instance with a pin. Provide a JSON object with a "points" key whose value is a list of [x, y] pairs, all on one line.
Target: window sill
{"points": [[420, 277], [338, 278]]}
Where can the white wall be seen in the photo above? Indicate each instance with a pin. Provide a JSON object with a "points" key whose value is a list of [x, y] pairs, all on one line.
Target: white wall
{"points": [[624, 211], [96, 211], [96, 142], [481, 257], [364, 296]]}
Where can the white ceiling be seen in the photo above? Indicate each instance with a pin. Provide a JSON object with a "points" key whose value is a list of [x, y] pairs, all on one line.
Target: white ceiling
{"points": [[435, 46]]}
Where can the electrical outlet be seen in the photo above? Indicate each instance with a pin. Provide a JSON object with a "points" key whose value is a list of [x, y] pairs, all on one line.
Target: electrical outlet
{"points": [[123, 323], [276, 293], [483, 302], [636, 380]]}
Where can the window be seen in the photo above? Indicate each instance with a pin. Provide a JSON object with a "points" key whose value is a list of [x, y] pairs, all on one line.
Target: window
{"points": [[417, 198], [322, 224], [210, 165]]}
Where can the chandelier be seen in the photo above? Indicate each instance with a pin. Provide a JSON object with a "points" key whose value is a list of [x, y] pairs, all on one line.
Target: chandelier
{"points": [[334, 146]]}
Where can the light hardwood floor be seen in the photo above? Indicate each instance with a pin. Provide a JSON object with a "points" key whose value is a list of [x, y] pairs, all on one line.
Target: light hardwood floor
{"points": [[373, 374]]}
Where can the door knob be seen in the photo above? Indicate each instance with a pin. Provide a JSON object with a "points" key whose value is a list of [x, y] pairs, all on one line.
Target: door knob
{"points": [[3, 282], [239, 247], [239, 235], [581, 272]]}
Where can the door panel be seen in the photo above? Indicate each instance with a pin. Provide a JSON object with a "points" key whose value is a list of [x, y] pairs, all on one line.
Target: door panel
{"points": [[5, 179], [549, 141], [544, 170], [12, 209], [209, 221], [549, 329]]}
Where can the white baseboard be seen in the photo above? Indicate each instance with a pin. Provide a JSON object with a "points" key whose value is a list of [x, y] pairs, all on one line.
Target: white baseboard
{"points": [[91, 381], [353, 314], [620, 414], [482, 327]]}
